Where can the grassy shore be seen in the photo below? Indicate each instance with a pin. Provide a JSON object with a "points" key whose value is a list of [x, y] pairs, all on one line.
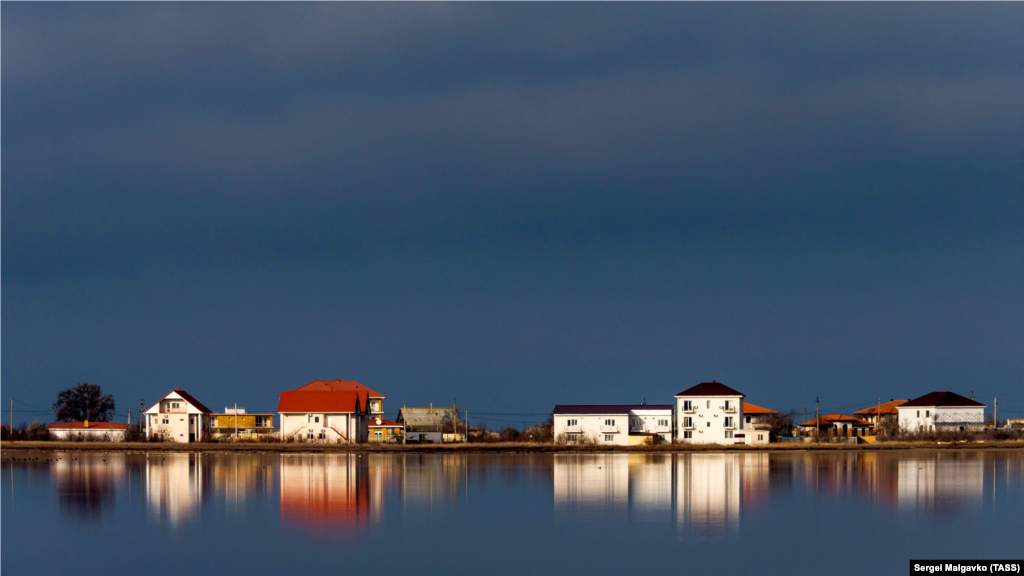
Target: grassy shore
{"points": [[489, 448]]}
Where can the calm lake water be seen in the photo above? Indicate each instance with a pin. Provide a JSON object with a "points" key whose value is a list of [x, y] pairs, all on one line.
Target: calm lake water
{"points": [[831, 513]]}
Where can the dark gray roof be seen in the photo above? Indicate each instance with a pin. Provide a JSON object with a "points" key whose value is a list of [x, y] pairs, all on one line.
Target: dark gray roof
{"points": [[941, 399], [710, 389], [607, 408]]}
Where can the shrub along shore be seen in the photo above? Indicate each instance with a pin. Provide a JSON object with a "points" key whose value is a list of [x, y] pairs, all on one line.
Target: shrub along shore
{"points": [[489, 448]]}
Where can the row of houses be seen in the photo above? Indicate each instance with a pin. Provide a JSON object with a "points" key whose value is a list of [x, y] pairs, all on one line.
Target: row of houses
{"points": [[713, 413], [329, 411]]}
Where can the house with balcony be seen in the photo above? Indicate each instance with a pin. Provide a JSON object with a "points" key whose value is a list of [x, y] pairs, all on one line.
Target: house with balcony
{"points": [[756, 417], [376, 399], [235, 424], [325, 414], [620, 424], [178, 417], [941, 411], [383, 431], [710, 413], [836, 425], [886, 412]]}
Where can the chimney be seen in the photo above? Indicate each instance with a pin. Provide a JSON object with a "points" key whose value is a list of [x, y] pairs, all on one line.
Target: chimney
{"points": [[86, 423], [178, 388]]}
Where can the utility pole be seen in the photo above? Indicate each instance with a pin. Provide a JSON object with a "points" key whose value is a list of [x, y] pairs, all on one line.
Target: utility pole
{"points": [[878, 415], [995, 413], [467, 425], [805, 414], [11, 429], [817, 424], [129, 417]]}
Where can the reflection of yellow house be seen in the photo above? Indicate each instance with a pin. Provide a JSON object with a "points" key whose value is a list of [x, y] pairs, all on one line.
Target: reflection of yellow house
{"points": [[247, 426]]}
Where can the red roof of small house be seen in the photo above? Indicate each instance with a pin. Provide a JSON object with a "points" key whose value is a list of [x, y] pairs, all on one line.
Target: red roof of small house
{"points": [[942, 399], [710, 389], [749, 408], [829, 419], [322, 401], [887, 408], [383, 423], [351, 385], [186, 397], [81, 426]]}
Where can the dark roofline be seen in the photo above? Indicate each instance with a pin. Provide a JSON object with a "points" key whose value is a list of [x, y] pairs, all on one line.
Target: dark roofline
{"points": [[710, 389], [585, 409], [942, 399]]}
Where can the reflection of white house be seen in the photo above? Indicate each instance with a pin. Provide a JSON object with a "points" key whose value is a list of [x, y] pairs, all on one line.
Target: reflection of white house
{"points": [[174, 485], [941, 411], [937, 482], [650, 486], [178, 417], [708, 490], [710, 413], [321, 491], [621, 425], [598, 482]]}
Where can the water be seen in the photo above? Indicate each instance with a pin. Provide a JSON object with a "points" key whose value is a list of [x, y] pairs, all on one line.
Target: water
{"points": [[834, 513]]}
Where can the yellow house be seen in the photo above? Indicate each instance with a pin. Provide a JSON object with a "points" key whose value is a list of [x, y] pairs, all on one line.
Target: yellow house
{"points": [[235, 421], [383, 431]]}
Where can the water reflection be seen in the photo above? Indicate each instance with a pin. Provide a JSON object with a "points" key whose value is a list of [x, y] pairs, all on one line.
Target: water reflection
{"points": [[703, 492], [87, 485]]}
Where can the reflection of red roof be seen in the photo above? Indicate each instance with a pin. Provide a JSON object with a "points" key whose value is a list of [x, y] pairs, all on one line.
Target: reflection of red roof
{"points": [[749, 408], [887, 408], [326, 401], [384, 423], [333, 495], [349, 385], [828, 419], [81, 426]]}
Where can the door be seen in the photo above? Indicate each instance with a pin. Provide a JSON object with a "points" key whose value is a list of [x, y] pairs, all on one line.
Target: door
{"points": [[191, 428]]}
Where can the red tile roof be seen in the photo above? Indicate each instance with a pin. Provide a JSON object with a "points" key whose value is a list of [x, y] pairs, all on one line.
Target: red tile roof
{"points": [[942, 399], [383, 423], [710, 389], [322, 401], [828, 419], [887, 408], [350, 385], [81, 426], [749, 408]]}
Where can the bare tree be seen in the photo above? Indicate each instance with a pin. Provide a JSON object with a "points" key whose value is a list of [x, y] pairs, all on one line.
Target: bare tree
{"points": [[84, 402], [781, 423]]}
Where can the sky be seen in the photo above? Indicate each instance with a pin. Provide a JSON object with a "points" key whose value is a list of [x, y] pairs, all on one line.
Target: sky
{"points": [[512, 206]]}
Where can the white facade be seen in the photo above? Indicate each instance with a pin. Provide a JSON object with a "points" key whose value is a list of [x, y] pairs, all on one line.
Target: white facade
{"points": [[928, 418], [324, 427], [612, 425], [88, 434], [177, 419], [709, 419]]}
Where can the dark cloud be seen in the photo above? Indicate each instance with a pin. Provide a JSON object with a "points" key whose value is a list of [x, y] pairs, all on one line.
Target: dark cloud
{"points": [[473, 199]]}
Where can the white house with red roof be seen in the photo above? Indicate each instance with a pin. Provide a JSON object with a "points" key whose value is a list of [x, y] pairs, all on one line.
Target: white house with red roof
{"points": [[178, 417], [91, 431], [327, 411], [941, 411], [710, 413], [376, 399]]}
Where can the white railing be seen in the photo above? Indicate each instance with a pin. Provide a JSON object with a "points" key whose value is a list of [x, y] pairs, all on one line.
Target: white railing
{"points": [[688, 410], [573, 429], [730, 410], [605, 428], [730, 426], [662, 429]]}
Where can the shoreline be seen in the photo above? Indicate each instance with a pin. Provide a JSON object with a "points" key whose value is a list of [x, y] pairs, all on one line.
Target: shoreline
{"points": [[487, 448]]}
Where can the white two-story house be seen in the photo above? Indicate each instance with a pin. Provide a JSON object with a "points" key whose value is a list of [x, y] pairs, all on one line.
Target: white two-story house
{"points": [[178, 417], [621, 425], [710, 413], [941, 411]]}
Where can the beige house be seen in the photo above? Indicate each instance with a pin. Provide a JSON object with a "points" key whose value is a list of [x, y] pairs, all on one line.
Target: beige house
{"points": [[324, 415], [178, 417]]}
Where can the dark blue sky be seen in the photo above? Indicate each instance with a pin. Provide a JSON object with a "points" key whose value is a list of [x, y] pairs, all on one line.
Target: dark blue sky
{"points": [[515, 205]]}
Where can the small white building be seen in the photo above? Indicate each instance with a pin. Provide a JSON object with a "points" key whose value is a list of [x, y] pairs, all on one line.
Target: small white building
{"points": [[710, 413], [88, 431], [942, 411], [621, 425], [178, 417]]}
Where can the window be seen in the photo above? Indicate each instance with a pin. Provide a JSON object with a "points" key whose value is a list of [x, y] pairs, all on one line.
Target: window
{"points": [[309, 436], [570, 422], [687, 405], [760, 437], [636, 423], [572, 438], [728, 433], [662, 422], [687, 422], [608, 437], [918, 413], [726, 404], [688, 434], [748, 419], [709, 424], [316, 419], [609, 422], [166, 421], [926, 413], [728, 421], [709, 404]]}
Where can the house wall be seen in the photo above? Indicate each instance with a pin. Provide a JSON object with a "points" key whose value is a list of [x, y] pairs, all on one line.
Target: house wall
{"points": [[925, 418], [652, 421], [323, 427], [93, 434], [171, 426], [593, 426], [709, 419]]}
